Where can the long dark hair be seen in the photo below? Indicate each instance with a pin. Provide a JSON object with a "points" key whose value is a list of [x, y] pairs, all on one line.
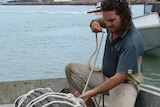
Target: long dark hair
{"points": [[121, 7]]}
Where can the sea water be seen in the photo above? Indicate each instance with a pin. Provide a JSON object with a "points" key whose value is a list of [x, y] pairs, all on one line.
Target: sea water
{"points": [[37, 42]]}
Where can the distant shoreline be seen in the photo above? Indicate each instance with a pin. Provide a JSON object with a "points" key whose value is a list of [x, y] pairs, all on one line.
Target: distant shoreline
{"points": [[50, 3], [57, 3]]}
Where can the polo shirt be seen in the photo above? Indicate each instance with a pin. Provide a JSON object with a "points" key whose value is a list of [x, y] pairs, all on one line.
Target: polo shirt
{"points": [[122, 54]]}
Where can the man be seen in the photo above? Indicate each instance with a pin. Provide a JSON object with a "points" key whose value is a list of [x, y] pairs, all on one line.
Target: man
{"points": [[122, 61]]}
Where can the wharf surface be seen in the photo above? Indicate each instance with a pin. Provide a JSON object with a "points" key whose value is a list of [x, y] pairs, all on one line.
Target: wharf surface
{"points": [[6, 105]]}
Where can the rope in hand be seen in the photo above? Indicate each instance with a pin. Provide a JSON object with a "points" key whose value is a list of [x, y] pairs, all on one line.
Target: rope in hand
{"points": [[96, 52]]}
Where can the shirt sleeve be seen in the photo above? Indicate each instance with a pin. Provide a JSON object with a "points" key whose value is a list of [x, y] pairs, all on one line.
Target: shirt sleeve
{"points": [[128, 60]]}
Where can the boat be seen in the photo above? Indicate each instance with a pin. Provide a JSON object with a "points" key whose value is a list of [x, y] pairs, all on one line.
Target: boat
{"points": [[149, 26], [9, 91]]}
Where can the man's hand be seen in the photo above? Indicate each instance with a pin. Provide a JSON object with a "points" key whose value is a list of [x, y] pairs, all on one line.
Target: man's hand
{"points": [[86, 96], [95, 26]]}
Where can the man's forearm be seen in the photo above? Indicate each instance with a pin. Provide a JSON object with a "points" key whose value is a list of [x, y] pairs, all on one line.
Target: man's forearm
{"points": [[109, 83]]}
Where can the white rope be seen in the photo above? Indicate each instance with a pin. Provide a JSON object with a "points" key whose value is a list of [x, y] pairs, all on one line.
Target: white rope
{"points": [[89, 62], [73, 101], [78, 102], [97, 53], [60, 102], [23, 97], [51, 94]]}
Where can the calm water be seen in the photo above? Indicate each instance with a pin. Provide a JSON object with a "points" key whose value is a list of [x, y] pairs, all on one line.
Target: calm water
{"points": [[39, 41]]}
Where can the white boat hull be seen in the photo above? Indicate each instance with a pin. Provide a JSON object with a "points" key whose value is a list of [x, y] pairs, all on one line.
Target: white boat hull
{"points": [[151, 38], [149, 26]]}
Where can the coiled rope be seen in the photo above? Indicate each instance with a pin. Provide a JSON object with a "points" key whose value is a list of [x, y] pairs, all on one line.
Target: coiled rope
{"points": [[68, 99]]}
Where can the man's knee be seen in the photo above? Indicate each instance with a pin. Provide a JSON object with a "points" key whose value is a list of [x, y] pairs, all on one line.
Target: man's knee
{"points": [[70, 68]]}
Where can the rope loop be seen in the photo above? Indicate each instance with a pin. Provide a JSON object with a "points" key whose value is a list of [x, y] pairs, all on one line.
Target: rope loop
{"points": [[96, 52]]}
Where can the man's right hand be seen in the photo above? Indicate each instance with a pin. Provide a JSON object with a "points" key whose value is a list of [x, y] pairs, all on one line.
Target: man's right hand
{"points": [[95, 26]]}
